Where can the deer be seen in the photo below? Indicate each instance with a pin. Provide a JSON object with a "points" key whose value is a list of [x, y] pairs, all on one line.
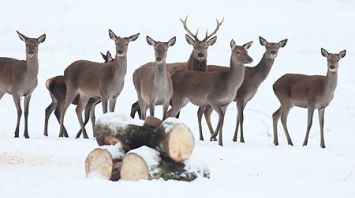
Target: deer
{"points": [[19, 78], [306, 91], [56, 87], [90, 80], [214, 89], [198, 58], [152, 80], [253, 78]]}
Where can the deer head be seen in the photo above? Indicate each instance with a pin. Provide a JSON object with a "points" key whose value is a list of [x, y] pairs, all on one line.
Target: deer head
{"points": [[161, 48], [200, 46], [31, 44], [240, 53], [333, 59], [122, 43], [272, 48]]}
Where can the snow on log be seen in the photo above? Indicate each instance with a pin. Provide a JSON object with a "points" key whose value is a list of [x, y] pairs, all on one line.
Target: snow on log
{"points": [[105, 162], [141, 163], [145, 163], [172, 138]]}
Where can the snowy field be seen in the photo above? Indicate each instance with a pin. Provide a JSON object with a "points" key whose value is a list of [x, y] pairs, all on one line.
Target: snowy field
{"points": [[54, 167]]}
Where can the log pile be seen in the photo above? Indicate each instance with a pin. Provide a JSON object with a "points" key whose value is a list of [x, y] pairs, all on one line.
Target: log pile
{"points": [[130, 150]]}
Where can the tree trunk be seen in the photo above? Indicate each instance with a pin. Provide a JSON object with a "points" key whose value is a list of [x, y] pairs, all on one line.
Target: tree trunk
{"points": [[145, 163], [172, 138], [105, 161]]}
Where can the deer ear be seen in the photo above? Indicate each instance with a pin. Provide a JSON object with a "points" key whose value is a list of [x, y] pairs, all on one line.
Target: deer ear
{"points": [[112, 35], [104, 56], [247, 45], [172, 41], [41, 39], [212, 41], [232, 44], [282, 43], [109, 56], [342, 54], [133, 37], [22, 37], [324, 52], [262, 41], [151, 41], [189, 40]]}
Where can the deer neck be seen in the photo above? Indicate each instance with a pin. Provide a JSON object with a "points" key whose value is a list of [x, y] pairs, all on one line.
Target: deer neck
{"points": [[196, 65], [331, 81], [262, 69], [160, 73], [121, 64], [32, 66], [236, 73]]}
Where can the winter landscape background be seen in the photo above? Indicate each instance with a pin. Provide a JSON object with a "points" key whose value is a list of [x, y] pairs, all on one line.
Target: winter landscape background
{"points": [[54, 167]]}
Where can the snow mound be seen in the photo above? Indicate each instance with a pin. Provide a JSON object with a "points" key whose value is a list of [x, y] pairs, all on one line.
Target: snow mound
{"points": [[117, 120]]}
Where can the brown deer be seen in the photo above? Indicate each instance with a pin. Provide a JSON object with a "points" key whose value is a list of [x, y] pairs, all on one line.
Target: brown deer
{"points": [[311, 92], [253, 78], [101, 80], [152, 80], [56, 87], [214, 89], [19, 77], [198, 57]]}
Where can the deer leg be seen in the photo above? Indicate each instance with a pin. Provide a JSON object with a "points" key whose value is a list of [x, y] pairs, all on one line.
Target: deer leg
{"points": [[142, 106], [69, 96], [48, 112], [284, 114], [86, 115], [275, 118], [152, 107], [321, 124], [240, 120], [79, 110], [199, 118], [176, 105], [208, 111], [26, 110], [135, 108], [57, 115], [93, 117], [19, 113], [309, 124], [221, 112], [113, 103], [165, 110]]}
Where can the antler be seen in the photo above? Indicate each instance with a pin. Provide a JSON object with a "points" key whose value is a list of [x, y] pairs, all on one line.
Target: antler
{"points": [[215, 31], [188, 30]]}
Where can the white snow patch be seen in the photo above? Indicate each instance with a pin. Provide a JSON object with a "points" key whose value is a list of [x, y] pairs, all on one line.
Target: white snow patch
{"points": [[170, 122], [116, 150], [117, 120], [197, 165]]}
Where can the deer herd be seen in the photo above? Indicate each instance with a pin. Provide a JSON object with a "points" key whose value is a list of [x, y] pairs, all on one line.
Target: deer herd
{"points": [[210, 87]]}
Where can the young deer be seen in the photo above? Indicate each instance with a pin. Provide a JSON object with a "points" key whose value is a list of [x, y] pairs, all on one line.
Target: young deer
{"points": [[152, 80], [197, 60], [19, 77], [214, 89], [101, 80], [311, 92], [56, 87], [253, 78]]}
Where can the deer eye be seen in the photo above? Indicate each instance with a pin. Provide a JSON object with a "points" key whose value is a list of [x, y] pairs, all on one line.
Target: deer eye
{"points": [[126, 43], [238, 52]]}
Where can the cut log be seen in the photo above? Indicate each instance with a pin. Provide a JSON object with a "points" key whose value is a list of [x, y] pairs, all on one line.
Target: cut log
{"points": [[141, 163], [105, 162], [145, 163], [172, 138]]}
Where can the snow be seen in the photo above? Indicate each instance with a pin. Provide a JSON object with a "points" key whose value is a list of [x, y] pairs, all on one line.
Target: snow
{"points": [[170, 122], [117, 120], [116, 151], [54, 167]]}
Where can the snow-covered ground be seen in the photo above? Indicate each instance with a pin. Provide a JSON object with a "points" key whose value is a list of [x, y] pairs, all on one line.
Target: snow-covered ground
{"points": [[54, 167]]}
